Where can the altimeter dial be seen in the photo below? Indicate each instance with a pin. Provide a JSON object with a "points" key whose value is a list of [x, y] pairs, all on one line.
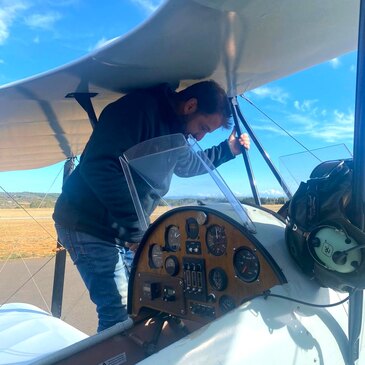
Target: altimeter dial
{"points": [[216, 240], [155, 256], [173, 238]]}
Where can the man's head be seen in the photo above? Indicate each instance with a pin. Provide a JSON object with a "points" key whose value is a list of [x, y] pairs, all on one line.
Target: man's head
{"points": [[204, 107]]}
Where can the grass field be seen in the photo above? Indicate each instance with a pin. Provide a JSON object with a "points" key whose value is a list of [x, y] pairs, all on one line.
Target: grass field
{"points": [[32, 233]]}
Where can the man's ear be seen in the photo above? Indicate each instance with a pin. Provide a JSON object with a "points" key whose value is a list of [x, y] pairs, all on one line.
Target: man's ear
{"points": [[190, 106]]}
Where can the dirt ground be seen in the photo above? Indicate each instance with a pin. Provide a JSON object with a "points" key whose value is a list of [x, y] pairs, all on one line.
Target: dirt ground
{"points": [[26, 235], [31, 233]]}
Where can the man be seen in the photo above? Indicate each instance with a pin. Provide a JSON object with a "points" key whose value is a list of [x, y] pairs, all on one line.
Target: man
{"points": [[95, 216]]}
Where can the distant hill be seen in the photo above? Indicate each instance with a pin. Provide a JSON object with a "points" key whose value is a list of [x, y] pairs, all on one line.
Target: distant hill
{"points": [[39, 200], [27, 200]]}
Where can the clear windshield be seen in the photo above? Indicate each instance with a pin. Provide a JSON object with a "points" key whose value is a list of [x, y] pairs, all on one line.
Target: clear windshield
{"points": [[177, 172]]}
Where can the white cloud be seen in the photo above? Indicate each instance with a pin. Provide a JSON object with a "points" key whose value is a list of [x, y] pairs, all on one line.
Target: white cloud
{"points": [[335, 63], [272, 193], [43, 21], [101, 43], [268, 128], [9, 11], [336, 127], [305, 105], [274, 93], [63, 2], [148, 5], [309, 107]]}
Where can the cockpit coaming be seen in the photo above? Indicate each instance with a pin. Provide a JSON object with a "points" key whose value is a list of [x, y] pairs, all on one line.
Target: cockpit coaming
{"points": [[197, 263]]}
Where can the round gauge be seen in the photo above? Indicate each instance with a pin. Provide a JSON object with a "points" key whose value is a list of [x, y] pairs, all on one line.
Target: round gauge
{"points": [[216, 240], [155, 255], [201, 218], [246, 264], [192, 228], [173, 238], [172, 265], [218, 279], [226, 303]]}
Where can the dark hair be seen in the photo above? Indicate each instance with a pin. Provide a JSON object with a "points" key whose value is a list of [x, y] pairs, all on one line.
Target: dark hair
{"points": [[211, 99]]}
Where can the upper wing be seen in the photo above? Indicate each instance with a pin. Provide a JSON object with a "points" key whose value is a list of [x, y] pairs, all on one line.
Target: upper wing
{"points": [[242, 44]]}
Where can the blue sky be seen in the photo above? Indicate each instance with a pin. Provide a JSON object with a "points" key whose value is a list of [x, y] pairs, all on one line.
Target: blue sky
{"points": [[316, 106]]}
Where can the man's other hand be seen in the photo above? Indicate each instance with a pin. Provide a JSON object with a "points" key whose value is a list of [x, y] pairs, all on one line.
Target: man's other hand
{"points": [[235, 143]]}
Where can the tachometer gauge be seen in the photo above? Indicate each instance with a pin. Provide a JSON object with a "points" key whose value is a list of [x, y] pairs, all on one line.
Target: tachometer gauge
{"points": [[192, 228], [173, 238], [216, 240], [155, 256], [218, 279], [246, 264]]}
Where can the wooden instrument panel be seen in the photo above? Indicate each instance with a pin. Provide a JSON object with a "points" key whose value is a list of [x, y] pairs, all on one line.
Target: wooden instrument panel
{"points": [[197, 263]]}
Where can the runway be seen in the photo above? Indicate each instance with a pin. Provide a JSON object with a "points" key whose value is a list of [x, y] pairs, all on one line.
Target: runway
{"points": [[15, 287]]}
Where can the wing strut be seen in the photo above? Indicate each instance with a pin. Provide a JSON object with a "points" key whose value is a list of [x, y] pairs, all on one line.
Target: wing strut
{"points": [[263, 153], [60, 263], [84, 99], [234, 105], [358, 187]]}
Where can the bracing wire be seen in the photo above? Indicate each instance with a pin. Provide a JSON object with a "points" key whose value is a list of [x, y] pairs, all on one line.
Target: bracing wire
{"points": [[279, 126], [8, 258], [31, 277], [21, 207], [25, 282], [46, 263], [35, 284], [53, 182]]}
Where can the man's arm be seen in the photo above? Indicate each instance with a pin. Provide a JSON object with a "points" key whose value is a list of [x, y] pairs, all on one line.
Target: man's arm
{"points": [[191, 165]]}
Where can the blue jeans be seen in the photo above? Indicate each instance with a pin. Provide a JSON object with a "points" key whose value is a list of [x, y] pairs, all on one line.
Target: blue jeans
{"points": [[104, 268]]}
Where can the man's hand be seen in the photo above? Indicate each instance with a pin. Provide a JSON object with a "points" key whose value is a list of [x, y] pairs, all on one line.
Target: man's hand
{"points": [[235, 143], [132, 246]]}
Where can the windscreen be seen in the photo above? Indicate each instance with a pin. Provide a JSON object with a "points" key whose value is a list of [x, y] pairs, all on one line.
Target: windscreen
{"points": [[177, 172], [297, 167]]}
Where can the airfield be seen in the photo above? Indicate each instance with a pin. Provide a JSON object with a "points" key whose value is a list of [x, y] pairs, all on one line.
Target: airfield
{"points": [[27, 249]]}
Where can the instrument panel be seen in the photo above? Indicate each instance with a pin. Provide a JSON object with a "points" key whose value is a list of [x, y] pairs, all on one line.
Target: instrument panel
{"points": [[197, 263]]}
